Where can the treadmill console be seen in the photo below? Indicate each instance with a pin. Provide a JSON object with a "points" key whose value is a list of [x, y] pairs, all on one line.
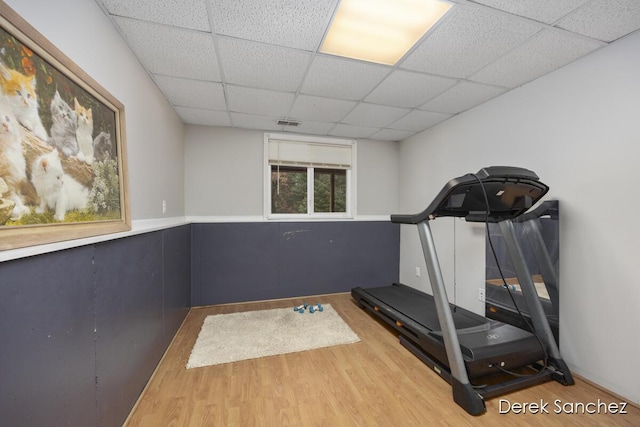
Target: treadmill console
{"points": [[510, 192]]}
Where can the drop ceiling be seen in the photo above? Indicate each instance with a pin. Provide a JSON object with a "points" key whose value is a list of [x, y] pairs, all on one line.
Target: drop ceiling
{"points": [[249, 63]]}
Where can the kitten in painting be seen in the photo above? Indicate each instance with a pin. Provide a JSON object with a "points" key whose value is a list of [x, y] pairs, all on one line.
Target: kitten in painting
{"points": [[84, 132], [12, 163], [19, 91], [63, 127], [56, 189], [103, 147]]}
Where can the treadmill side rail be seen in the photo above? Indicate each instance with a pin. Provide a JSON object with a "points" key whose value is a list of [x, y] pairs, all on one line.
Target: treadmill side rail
{"points": [[463, 394]]}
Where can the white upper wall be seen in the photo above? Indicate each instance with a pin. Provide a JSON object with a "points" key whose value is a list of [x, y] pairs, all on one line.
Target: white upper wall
{"points": [[578, 128], [154, 133], [224, 174]]}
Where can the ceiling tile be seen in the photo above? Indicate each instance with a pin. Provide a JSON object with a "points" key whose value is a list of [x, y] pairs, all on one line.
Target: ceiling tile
{"points": [[162, 50], [372, 115], [259, 101], [308, 107], [343, 79], [351, 131], [463, 96], [252, 121], [408, 89], [606, 20], [294, 23], [185, 13], [466, 40], [311, 127], [545, 52], [418, 120], [195, 116], [192, 93], [547, 11], [392, 135], [260, 65]]}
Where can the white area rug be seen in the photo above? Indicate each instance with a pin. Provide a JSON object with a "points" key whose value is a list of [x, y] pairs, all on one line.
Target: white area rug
{"points": [[239, 336]]}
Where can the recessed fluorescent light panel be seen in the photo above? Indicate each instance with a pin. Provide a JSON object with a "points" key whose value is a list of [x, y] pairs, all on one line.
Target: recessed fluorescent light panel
{"points": [[380, 31]]}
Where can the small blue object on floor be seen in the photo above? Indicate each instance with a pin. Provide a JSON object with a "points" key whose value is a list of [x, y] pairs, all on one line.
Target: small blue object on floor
{"points": [[312, 308], [316, 307], [300, 309]]}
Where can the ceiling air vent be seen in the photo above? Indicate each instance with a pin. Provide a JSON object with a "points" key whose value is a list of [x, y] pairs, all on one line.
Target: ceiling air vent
{"points": [[288, 123]]}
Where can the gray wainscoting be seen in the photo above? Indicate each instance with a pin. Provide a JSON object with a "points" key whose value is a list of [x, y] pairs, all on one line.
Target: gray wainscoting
{"points": [[255, 261], [82, 329]]}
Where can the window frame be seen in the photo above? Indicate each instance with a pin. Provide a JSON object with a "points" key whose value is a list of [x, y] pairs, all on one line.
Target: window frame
{"points": [[311, 214]]}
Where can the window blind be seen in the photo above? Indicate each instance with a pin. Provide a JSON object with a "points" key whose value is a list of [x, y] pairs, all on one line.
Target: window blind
{"points": [[309, 154]]}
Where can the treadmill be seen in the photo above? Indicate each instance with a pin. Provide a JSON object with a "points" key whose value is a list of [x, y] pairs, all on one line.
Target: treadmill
{"points": [[456, 343]]}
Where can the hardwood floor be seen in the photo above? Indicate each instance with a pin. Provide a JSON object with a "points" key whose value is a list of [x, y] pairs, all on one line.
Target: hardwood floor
{"points": [[375, 382]]}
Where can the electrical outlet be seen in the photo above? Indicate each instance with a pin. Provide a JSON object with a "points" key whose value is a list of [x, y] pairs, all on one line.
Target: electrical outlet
{"points": [[164, 206], [417, 271], [481, 294]]}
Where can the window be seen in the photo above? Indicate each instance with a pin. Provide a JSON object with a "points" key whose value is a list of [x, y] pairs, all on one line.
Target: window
{"points": [[288, 190], [329, 190], [309, 177]]}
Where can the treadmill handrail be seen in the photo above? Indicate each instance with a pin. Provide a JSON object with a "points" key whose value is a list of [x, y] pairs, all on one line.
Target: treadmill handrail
{"points": [[515, 190]]}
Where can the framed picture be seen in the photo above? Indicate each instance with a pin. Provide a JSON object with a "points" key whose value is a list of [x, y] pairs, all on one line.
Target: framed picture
{"points": [[63, 169]]}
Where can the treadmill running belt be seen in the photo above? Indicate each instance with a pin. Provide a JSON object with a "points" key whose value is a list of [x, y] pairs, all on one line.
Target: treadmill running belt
{"points": [[420, 307]]}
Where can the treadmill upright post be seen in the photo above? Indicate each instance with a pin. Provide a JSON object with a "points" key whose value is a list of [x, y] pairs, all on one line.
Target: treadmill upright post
{"points": [[463, 393], [548, 270], [540, 322]]}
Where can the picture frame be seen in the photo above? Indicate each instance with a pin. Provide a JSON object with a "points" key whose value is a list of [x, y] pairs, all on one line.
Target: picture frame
{"points": [[63, 162]]}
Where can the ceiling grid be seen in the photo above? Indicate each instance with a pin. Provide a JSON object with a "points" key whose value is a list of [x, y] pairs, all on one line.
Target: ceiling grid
{"points": [[250, 63]]}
